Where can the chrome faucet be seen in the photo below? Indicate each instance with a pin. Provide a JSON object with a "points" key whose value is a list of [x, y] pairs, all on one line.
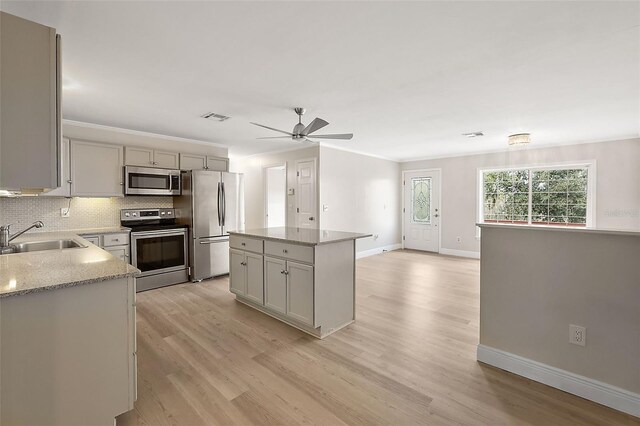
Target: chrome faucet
{"points": [[5, 238]]}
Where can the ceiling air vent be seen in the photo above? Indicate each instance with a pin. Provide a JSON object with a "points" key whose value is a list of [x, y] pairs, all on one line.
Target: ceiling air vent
{"points": [[215, 117], [473, 134]]}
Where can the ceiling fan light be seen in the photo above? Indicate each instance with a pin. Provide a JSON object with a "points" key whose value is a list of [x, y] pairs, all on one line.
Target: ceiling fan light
{"points": [[519, 139]]}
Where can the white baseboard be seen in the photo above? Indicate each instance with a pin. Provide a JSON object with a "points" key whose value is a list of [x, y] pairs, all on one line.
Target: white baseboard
{"points": [[460, 253], [593, 390], [377, 250]]}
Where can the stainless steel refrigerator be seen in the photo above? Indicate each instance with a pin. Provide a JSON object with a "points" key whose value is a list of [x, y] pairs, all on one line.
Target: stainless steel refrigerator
{"points": [[211, 204]]}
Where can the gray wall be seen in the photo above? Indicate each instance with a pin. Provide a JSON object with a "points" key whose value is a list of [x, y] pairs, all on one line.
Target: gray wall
{"points": [[535, 282], [617, 186], [361, 194]]}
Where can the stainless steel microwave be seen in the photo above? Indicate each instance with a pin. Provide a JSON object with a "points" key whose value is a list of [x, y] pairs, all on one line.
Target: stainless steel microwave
{"points": [[151, 181]]}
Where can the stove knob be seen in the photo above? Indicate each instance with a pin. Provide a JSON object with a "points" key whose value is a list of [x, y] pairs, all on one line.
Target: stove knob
{"points": [[127, 215], [163, 213], [135, 214], [169, 213]]}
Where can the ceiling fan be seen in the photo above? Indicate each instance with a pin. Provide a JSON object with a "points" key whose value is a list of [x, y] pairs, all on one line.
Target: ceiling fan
{"points": [[303, 133]]}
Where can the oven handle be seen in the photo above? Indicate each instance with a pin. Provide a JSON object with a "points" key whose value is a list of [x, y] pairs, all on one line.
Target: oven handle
{"points": [[163, 233]]}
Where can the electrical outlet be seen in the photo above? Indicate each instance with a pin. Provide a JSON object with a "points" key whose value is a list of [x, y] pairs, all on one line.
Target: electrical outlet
{"points": [[577, 335], [459, 239], [64, 212]]}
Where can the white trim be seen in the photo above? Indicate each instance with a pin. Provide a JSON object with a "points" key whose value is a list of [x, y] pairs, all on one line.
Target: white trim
{"points": [[141, 133], [508, 149], [377, 250], [439, 170], [279, 151], [354, 151], [460, 253], [591, 166], [265, 180], [585, 387]]}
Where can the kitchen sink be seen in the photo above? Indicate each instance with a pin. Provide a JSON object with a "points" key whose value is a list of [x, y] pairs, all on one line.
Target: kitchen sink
{"points": [[46, 245]]}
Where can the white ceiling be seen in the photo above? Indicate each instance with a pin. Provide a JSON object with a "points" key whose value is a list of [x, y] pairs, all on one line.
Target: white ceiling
{"points": [[406, 78]]}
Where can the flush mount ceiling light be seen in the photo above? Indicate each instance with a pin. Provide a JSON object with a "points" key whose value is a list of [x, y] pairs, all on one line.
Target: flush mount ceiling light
{"points": [[215, 117], [473, 134], [519, 139]]}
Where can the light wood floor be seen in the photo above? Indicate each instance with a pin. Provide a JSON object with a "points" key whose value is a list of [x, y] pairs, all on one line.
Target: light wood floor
{"points": [[409, 358]]}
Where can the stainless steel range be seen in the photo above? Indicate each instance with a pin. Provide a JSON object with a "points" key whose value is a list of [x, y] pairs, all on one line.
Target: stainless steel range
{"points": [[158, 247]]}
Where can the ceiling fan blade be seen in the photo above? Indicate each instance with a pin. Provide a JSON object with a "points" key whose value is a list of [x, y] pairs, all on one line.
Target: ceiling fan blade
{"points": [[271, 128], [314, 126], [309, 140], [276, 137], [336, 136]]}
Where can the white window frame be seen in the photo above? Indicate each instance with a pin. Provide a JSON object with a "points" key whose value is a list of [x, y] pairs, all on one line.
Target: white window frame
{"points": [[591, 188]]}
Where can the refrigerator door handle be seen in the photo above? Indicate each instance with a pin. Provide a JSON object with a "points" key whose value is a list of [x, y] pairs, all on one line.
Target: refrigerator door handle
{"points": [[219, 198], [224, 205]]}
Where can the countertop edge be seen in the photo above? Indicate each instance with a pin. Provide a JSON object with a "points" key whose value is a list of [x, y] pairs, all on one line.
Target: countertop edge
{"points": [[629, 232], [42, 289], [304, 243]]}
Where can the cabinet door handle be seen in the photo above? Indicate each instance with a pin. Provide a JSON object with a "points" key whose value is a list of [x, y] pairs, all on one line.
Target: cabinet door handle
{"points": [[285, 251], [69, 181], [243, 263], [284, 272], [244, 244]]}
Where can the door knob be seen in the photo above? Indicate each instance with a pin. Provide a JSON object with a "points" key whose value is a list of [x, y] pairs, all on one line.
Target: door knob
{"points": [[311, 218]]}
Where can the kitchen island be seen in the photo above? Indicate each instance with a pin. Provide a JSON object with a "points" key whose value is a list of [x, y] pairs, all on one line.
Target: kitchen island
{"points": [[303, 277], [67, 332]]}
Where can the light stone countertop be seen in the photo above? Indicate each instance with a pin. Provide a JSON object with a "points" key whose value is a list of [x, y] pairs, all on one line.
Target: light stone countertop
{"points": [[311, 237], [101, 231], [24, 273]]}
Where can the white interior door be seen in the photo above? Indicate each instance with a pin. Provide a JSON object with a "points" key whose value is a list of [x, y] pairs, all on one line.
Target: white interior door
{"points": [[306, 193], [422, 210], [275, 196]]}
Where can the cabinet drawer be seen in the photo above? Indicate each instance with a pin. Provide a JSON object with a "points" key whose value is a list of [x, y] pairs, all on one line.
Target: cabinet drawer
{"points": [[289, 251], [115, 239], [243, 243], [93, 239]]}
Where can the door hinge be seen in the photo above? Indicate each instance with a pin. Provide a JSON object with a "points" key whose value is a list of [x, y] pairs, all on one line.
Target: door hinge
{"points": [[403, 210], [298, 174], [404, 182], [298, 210], [403, 238]]}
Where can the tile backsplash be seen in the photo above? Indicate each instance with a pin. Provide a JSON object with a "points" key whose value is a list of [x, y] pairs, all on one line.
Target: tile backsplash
{"points": [[84, 213]]}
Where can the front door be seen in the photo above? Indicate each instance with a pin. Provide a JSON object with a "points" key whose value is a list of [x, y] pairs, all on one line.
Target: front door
{"points": [[306, 197], [422, 210]]}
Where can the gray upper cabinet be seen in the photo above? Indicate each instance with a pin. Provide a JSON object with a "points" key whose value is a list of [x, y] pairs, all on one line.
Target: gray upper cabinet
{"points": [[96, 169], [30, 115], [218, 164], [147, 157], [65, 186], [203, 162]]}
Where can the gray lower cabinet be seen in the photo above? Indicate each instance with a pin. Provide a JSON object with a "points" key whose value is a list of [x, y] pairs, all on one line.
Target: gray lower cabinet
{"points": [[300, 292], [275, 284], [246, 269], [288, 288], [309, 287], [116, 243]]}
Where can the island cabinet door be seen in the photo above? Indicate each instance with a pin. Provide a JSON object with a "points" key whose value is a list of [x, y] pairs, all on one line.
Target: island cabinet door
{"points": [[255, 278], [237, 272], [275, 285], [300, 292]]}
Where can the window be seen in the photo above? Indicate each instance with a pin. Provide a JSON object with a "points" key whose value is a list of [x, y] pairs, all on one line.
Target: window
{"points": [[421, 200], [536, 196]]}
